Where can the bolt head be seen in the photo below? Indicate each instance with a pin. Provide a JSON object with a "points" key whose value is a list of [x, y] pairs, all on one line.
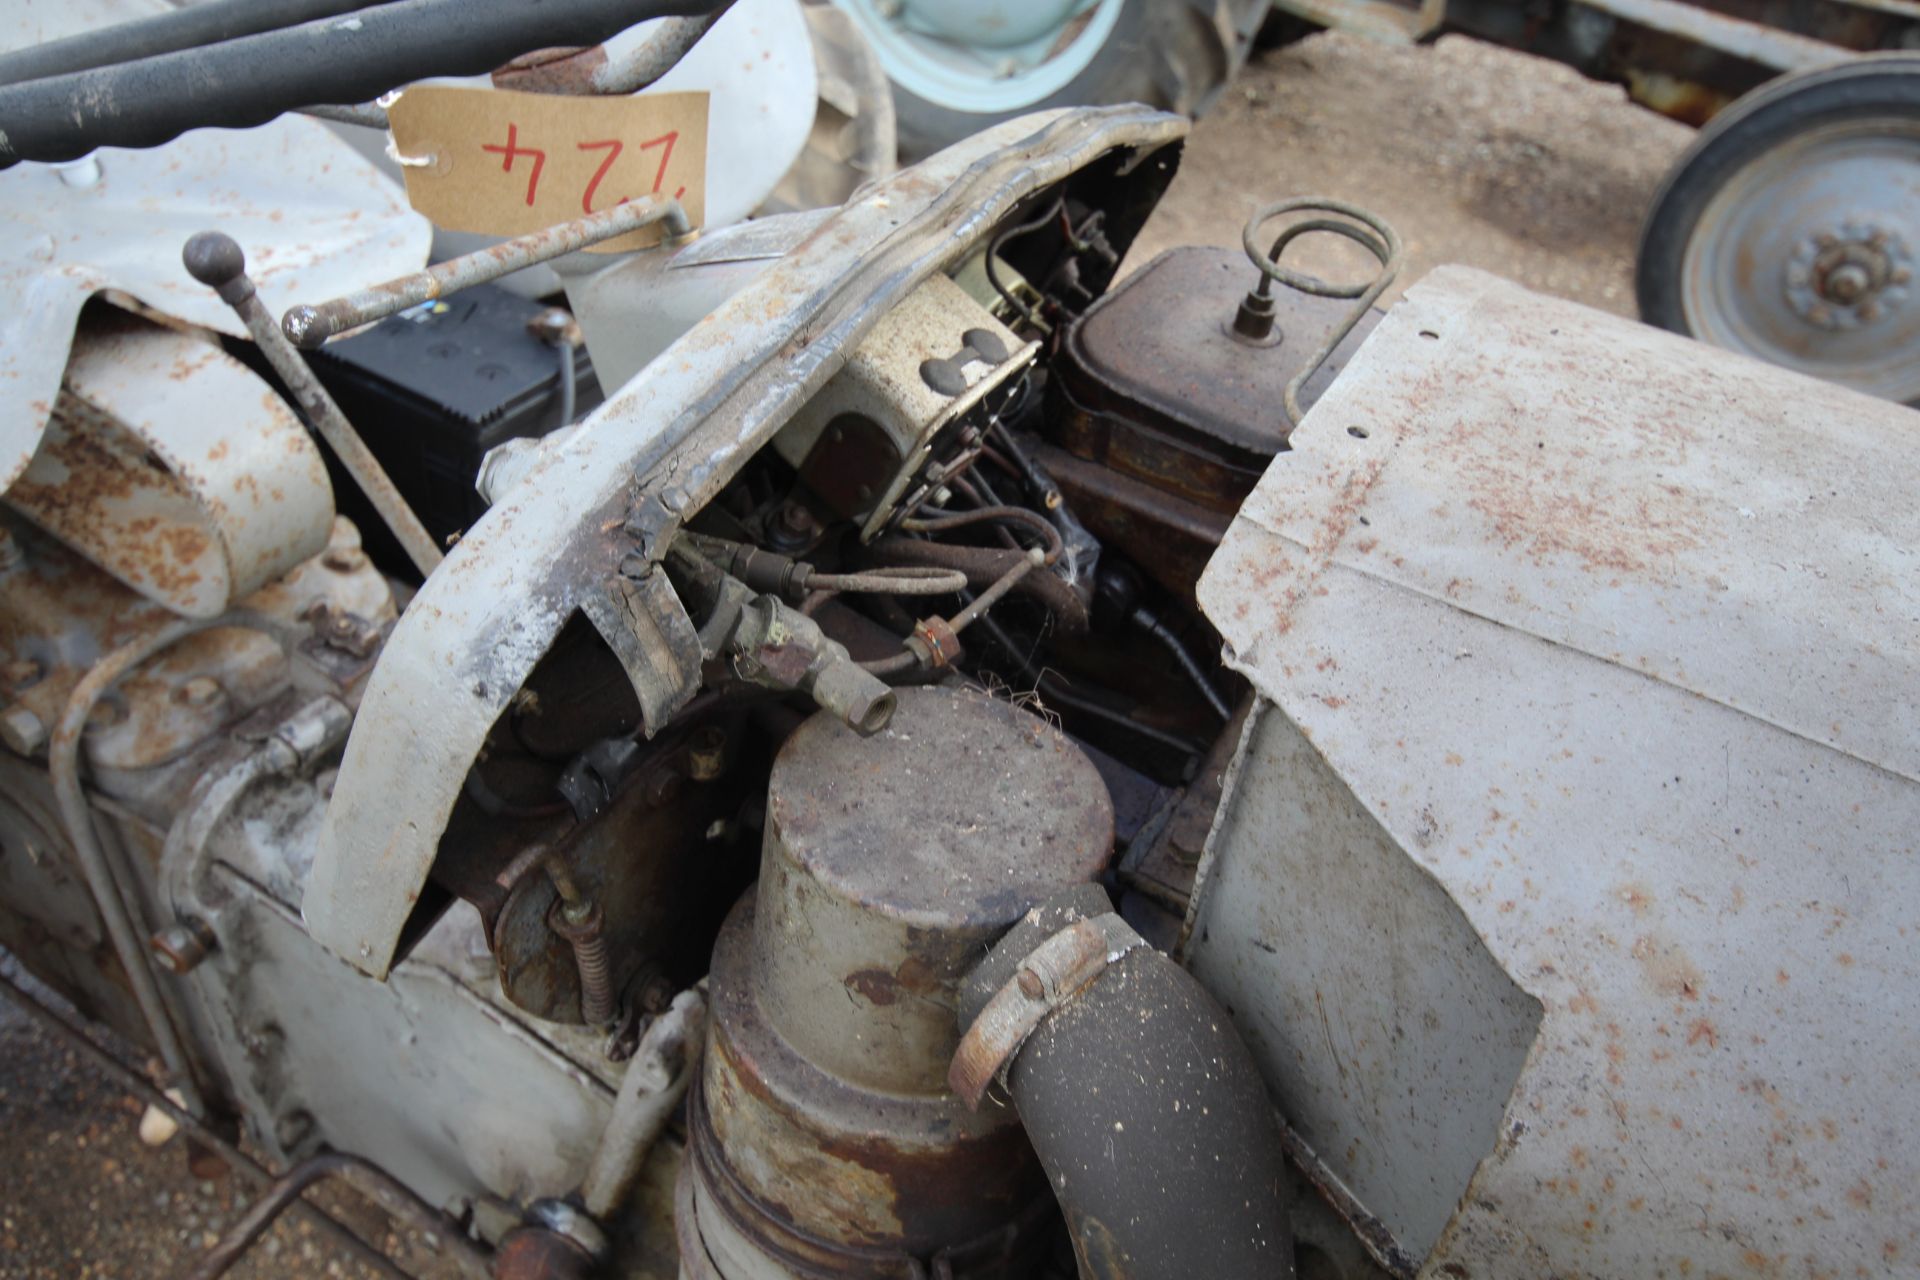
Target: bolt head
{"points": [[797, 520], [199, 693], [663, 787], [22, 731], [706, 754], [1847, 282], [556, 327], [1030, 985], [293, 1129]]}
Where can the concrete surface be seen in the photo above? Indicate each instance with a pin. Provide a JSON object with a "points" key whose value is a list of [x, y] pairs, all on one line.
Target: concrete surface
{"points": [[1475, 154]]}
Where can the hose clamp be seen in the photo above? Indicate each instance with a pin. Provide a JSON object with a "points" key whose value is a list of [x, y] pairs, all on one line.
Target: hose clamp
{"points": [[1050, 976]]}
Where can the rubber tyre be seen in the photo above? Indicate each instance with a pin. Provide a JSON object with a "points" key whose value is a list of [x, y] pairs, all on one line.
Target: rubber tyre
{"points": [[1165, 53], [1874, 85]]}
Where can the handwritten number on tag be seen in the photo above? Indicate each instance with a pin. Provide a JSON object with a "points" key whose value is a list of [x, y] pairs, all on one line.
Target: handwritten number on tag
{"points": [[505, 163], [513, 149]]}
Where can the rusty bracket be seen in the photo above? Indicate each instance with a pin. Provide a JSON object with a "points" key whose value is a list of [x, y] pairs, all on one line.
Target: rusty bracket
{"points": [[648, 629], [1050, 976], [654, 520]]}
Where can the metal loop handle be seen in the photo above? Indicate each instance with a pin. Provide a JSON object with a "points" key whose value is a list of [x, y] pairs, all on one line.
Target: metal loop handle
{"points": [[1368, 230]]}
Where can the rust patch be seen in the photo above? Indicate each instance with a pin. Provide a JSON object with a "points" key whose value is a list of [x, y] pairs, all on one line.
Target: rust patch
{"points": [[913, 978], [1549, 504], [562, 70], [1667, 968]]}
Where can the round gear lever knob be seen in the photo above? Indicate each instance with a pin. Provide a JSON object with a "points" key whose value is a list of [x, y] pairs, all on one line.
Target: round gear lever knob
{"points": [[216, 259]]}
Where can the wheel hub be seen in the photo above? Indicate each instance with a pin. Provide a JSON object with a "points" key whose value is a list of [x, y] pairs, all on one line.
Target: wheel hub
{"points": [[1844, 277]]}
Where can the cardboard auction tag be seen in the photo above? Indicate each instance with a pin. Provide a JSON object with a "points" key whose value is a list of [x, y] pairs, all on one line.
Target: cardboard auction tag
{"points": [[501, 163]]}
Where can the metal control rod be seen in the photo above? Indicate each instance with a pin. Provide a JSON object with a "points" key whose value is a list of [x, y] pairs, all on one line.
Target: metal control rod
{"points": [[310, 326], [216, 259], [63, 774], [382, 1187]]}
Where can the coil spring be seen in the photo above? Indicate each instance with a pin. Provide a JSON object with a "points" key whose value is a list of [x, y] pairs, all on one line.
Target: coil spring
{"points": [[596, 980]]}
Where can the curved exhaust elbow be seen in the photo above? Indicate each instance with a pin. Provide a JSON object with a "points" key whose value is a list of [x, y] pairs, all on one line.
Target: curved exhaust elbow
{"points": [[1147, 1111]]}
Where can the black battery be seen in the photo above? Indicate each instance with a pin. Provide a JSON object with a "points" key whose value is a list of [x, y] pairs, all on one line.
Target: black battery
{"points": [[431, 390]]}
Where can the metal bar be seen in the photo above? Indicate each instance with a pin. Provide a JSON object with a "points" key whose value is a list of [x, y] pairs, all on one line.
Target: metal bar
{"points": [[1754, 41], [134, 1083], [310, 326], [593, 71], [656, 1080], [387, 1191], [991, 596], [368, 115], [576, 73], [213, 258], [63, 770], [1372, 234]]}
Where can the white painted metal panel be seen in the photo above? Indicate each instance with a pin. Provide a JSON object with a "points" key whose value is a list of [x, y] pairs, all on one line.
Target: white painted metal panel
{"points": [[1613, 639]]}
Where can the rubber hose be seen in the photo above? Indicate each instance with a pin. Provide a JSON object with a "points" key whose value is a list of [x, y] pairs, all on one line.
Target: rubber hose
{"points": [[203, 24], [248, 81], [1148, 1113]]}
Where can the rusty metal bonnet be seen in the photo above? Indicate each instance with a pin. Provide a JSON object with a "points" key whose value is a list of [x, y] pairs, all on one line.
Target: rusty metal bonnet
{"points": [[824, 1139]]}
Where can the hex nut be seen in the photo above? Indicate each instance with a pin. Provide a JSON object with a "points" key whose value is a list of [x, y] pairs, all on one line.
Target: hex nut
{"points": [[707, 754], [181, 946], [293, 1129]]}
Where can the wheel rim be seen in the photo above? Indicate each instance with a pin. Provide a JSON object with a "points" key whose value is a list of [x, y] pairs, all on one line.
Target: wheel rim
{"points": [[1806, 256], [985, 57]]}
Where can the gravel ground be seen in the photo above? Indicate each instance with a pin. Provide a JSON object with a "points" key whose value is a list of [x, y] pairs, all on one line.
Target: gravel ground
{"points": [[1474, 154]]}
